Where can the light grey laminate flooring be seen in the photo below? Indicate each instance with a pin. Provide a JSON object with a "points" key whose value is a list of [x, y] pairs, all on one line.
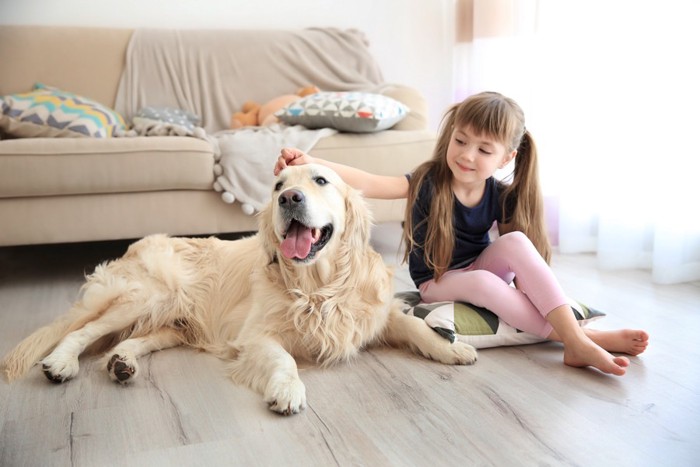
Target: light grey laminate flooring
{"points": [[517, 406]]}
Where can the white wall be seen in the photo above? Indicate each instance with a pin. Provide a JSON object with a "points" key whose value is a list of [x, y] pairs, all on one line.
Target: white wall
{"points": [[411, 39]]}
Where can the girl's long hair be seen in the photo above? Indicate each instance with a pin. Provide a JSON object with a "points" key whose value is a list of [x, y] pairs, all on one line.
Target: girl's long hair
{"points": [[495, 116]]}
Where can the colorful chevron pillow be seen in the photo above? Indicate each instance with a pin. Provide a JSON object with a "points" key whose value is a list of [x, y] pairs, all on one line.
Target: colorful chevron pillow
{"points": [[356, 112], [51, 112], [478, 326]]}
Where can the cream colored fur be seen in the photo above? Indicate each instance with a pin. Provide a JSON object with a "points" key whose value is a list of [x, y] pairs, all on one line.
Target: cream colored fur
{"points": [[243, 301]]}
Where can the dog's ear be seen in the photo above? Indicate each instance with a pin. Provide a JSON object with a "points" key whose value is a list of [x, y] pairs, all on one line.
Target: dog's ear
{"points": [[358, 219], [267, 231]]}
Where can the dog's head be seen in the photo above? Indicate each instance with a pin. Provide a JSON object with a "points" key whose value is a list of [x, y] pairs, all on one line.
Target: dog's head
{"points": [[313, 213]]}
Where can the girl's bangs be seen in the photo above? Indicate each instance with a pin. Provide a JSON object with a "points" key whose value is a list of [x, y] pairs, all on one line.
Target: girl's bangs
{"points": [[488, 117]]}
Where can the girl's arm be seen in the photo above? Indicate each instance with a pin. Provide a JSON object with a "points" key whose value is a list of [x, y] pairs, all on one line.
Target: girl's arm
{"points": [[371, 185]]}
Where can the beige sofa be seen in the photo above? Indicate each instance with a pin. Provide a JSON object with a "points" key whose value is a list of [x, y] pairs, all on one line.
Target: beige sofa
{"points": [[84, 189]]}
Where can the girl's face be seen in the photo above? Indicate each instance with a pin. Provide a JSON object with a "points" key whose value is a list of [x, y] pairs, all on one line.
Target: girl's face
{"points": [[473, 158]]}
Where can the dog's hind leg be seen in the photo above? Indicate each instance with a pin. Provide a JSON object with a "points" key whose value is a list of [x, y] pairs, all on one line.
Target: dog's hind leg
{"points": [[121, 361], [98, 295], [62, 363]]}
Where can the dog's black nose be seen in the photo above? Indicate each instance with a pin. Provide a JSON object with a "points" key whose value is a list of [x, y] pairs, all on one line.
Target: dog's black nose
{"points": [[291, 198]]}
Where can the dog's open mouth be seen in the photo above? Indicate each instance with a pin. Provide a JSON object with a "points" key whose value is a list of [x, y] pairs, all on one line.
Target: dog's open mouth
{"points": [[301, 243]]}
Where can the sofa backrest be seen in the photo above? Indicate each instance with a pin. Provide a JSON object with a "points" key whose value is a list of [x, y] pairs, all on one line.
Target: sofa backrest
{"points": [[90, 62], [85, 61], [214, 72]]}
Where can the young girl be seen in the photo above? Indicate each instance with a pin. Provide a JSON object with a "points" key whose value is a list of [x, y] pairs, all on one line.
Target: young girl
{"points": [[453, 201]]}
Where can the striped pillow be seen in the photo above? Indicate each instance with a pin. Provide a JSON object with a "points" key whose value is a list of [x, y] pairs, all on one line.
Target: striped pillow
{"points": [[51, 112]]}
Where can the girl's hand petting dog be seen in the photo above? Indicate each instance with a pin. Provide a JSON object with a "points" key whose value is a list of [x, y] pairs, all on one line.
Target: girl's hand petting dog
{"points": [[291, 156]]}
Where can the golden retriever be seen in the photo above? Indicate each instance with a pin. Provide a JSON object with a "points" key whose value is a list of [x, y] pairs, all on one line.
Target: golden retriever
{"points": [[307, 286]]}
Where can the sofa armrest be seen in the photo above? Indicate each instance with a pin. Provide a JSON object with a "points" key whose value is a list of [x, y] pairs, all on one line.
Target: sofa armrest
{"points": [[417, 118]]}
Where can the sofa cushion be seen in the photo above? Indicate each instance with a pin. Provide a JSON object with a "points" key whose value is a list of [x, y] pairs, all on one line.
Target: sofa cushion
{"points": [[48, 111], [356, 112], [69, 166]]}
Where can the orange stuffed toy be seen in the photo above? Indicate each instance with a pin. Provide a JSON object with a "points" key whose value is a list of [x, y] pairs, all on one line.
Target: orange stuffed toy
{"points": [[255, 114]]}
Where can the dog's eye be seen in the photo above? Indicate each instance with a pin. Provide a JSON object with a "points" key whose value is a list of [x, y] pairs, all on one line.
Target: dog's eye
{"points": [[321, 180], [278, 186]]}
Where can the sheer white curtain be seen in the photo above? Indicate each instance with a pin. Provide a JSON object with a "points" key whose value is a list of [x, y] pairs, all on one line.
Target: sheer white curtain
{"points": [[610, 92]]}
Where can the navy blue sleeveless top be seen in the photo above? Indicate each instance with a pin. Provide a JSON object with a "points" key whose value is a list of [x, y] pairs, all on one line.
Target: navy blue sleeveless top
{"points": [[471, 226]]}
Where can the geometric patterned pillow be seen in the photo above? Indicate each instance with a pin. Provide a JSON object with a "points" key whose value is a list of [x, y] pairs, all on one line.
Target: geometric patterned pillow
{"points": [[47, 111], [357, 112], [478, 326]]}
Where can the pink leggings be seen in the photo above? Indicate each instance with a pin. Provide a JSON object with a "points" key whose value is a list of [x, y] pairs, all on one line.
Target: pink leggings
{"points": [[485, 283]]}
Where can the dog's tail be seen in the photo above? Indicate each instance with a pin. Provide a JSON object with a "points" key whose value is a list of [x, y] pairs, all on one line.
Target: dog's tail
{"points": [[34, 348], [95, 301]]}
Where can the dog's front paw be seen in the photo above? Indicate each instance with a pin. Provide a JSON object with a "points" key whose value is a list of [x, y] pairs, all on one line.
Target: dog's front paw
{"points": [[457, 353], [59, 367], [122, 368], [286, 396]]}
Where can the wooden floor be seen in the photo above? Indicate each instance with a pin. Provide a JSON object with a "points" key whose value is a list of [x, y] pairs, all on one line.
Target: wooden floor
{"points": [[516, 406]]}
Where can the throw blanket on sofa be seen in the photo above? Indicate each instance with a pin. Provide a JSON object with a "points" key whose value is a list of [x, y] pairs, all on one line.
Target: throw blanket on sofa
{"points": [[212, 73], [246, 157]]}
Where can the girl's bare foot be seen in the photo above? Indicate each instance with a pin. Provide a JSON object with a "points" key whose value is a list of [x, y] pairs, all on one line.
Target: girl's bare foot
{"points": [[588, 353], [629, 341], [590, 347]]}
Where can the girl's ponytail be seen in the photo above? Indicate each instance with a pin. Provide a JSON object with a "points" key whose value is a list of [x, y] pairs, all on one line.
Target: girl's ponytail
{"points": [[522, 200]]}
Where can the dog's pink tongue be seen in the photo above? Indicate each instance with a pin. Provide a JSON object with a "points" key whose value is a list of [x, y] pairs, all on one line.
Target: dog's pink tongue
{"points": [[298, 242]]}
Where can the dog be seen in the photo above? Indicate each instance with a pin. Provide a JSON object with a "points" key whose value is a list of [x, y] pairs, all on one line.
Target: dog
{"points": [[307, 285]]}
